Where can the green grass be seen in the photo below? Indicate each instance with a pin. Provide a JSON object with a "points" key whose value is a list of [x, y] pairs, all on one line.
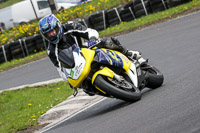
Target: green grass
{"points": [[8, 3], [21, 108], [18, 62]]}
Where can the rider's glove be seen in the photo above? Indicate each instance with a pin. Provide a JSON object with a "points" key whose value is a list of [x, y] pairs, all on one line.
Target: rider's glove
{"points": [[116, 41], [92, 41]]}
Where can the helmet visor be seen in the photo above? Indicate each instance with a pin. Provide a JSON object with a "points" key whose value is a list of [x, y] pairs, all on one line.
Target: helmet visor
{"points": [[52, 34]]}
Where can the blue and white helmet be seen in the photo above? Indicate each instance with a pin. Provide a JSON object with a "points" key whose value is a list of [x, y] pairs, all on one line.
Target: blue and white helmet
{"points": [[51, 28]]}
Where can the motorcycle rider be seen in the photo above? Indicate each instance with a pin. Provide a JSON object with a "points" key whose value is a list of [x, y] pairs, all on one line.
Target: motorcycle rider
{"points": [[62, 36]]}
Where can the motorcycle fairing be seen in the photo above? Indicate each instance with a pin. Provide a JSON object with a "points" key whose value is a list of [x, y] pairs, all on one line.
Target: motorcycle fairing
{"points": [[83, 59], [111, 57], [66, 58], [106, 56], [105, 71]]}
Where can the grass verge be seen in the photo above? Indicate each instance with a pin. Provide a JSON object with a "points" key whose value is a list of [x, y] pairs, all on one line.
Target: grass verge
{"points": [[20, 109], [18, 62]]}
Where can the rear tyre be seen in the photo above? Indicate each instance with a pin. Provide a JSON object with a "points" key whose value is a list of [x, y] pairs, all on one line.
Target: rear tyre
{"points": [[154, 78], [125, 91]]}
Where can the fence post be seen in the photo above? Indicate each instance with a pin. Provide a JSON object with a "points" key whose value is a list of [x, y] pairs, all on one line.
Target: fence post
{"points": [[4, 53], [144, 7], [164, 4], [45, 45], [118, 15], [132, 12], [20, 42], [25, 47], [104, 19], [84, 22]]}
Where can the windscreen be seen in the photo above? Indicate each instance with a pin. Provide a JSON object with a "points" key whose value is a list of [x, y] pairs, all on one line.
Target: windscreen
{"points": [[66, 58]]}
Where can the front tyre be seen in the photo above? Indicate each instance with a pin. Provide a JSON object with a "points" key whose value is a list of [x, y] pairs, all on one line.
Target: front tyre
{"points": [[125, 91]]}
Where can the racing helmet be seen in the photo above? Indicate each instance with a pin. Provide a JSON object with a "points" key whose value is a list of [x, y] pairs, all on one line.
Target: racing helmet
{"points": [[51, 28]]}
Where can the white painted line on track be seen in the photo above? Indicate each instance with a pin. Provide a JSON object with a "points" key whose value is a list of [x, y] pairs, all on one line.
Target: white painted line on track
{"points": [[48, 127]]}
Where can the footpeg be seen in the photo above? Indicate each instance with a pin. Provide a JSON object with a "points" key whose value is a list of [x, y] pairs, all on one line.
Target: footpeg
{"points": [[75, 91]]}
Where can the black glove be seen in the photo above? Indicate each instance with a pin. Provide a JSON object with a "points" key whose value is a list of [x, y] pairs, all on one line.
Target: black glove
{"points": [[115, 41]]}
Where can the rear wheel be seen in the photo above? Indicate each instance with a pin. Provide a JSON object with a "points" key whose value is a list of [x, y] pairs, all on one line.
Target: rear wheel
{"points": [[123, 90], [154, 78]]}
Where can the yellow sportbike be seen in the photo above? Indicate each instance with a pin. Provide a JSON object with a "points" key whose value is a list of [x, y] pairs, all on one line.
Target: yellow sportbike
{"points": [[108, 73]]}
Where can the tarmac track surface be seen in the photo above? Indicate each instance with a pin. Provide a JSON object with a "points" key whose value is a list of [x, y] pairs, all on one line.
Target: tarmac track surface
{"points": [[173, 47], [38, 71]]}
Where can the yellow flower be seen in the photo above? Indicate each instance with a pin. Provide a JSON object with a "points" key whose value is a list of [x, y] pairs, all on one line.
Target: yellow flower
{"points": [[33, 116], [35, 50], [4, 40], [99, 4], [34, 119], [29, 104], [2, 35], [37, 29], [71, 11], [58, 88]]}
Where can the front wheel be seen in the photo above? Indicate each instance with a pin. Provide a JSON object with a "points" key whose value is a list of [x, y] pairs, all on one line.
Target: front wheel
{"points": [[122, 90]]}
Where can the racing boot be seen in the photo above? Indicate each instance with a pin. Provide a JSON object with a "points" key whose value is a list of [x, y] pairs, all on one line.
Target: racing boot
{"points": [[133, 54]]}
